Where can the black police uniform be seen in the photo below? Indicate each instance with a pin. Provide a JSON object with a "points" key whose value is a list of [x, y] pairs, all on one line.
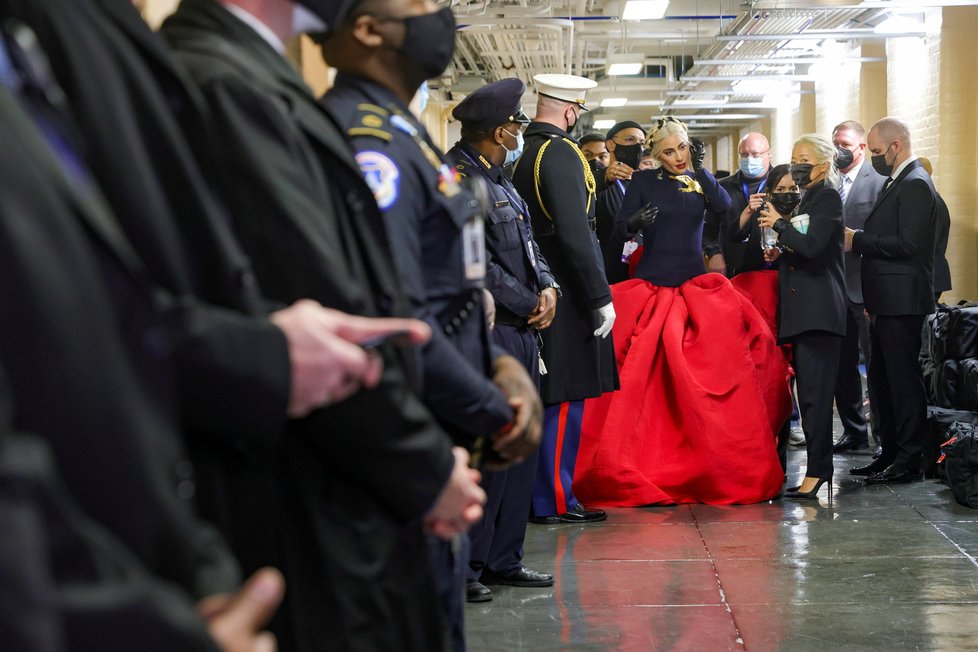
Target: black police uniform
{"points": [[438, 245], [516, 274]]}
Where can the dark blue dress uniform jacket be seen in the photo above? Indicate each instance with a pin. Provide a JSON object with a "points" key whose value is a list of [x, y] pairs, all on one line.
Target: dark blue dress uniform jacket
{"points": [[580, 365], [516, 270], [425, 212]]}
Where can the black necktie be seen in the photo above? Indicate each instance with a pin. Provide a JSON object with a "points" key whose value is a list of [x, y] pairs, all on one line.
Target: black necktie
{"points": [[886, 184]]}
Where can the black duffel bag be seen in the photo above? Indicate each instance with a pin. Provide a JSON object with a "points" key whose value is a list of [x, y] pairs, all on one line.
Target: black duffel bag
{"points": [[960, 461], [947, 380], [968, 384], [956, 332], [940, 428]]}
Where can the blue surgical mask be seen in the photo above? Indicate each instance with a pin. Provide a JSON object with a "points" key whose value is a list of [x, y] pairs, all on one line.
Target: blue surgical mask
{"points": [[752, 167], [513, 154], [422, 96]]}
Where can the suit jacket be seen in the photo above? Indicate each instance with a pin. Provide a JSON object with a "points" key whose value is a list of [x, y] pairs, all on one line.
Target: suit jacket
{"points": [[354, 474], [68, 583], [741, 247], [131, 105], [942, 271], [862, 195], [810, 279], [98, 390], [897, 246], [580, 365], [609, 201]]}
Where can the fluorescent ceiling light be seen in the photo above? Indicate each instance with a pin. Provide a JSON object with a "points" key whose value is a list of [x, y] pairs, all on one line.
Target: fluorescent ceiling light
{"points": [[602, 125], [625, 64], [721, 116], [614, 101], [722, 100], [644, 9]]}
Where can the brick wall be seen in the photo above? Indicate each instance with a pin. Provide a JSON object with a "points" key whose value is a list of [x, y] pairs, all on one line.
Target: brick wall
{"points": [[837, 92]]}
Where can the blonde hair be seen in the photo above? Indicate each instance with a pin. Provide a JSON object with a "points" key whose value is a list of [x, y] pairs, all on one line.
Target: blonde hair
{"points": [[662, 129], [825, 152]]}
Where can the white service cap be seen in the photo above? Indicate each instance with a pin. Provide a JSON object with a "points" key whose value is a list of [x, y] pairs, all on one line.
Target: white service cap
{"points": [[567, 88]]}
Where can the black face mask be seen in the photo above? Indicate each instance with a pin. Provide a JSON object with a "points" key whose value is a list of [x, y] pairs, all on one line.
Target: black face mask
{"points": [[577, 118], [630, 155], [429, 41], [801, 174], [880, 165], [785, 202], [596, 168], [843, 158]]}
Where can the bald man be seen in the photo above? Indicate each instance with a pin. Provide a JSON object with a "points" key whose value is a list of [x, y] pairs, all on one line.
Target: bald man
{"points": [[734, 245], [897, 249]]}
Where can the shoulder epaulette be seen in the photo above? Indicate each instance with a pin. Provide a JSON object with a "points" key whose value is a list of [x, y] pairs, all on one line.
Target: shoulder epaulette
{"points": [[371, 120]]}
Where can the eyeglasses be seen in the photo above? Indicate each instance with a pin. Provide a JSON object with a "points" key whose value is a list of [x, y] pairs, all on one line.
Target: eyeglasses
{"points": [[755, 154]]}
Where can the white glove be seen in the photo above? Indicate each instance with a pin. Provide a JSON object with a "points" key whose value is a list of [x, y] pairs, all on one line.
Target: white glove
{"points": [[607, 315]]}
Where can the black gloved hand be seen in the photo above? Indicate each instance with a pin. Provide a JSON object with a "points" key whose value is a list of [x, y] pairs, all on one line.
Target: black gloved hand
{"points": [[642, 218], [697, 152]]}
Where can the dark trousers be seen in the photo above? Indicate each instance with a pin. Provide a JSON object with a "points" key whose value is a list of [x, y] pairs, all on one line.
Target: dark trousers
{"points": [[561, 438], [849, 384], [816, 359], [449, 563], [497, 540], [896, 389]]}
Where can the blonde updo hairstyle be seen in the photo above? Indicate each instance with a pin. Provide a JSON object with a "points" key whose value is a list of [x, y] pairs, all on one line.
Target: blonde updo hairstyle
{"points": [[825, 151], [662, 129]]}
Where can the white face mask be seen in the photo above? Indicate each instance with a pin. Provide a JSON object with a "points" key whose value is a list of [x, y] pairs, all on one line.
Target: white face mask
{"points": [[304, 21], [422, 97], [513, 154]]}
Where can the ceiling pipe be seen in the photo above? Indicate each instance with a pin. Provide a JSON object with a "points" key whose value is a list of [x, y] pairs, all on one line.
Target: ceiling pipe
{"points": [[840, 35]]}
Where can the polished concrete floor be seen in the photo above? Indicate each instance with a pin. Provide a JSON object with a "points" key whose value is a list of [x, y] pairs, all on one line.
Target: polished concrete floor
{"points": [[880, 568]]}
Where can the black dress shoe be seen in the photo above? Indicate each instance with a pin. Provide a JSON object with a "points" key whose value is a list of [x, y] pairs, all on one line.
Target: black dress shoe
{"points": [[893, 475], [477, 592], [522, 577], [576, 514], [847, 443], [877, 452], [872, 468]]}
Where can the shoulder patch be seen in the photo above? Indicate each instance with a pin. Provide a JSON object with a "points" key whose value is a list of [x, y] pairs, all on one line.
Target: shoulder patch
{"points": [[371, 120], [382, 176]]}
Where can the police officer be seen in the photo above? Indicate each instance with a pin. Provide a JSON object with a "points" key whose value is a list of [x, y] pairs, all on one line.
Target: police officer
{"points": [[525, 294], [557, 183], [383, 51]]}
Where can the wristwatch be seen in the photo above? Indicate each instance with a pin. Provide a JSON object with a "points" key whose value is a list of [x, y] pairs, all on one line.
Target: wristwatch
{"points": [[553, 285]]}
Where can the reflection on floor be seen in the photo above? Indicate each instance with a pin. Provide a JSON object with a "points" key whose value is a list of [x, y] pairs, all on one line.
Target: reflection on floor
{"points": [[881, 568]]}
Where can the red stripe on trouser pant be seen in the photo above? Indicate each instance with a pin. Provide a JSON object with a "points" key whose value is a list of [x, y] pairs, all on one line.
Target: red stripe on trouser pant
{"points": [[561, 503]]}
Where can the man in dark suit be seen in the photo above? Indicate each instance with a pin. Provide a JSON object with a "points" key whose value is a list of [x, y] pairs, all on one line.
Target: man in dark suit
{"points": [[733, 244], [105, 414], [525, 294], [860, 185], [555, 180], [359, 477], [897, 250], [625, 141], [942, 271]]}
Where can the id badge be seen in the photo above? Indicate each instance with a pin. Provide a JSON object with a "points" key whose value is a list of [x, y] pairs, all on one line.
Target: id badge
{"points": [[474, 251], [529, 245], [626, 252]]}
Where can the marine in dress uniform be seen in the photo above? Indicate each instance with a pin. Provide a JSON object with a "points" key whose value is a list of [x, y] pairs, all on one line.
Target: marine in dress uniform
{"points": [[438, 229], [557, 183], [525, 294]]}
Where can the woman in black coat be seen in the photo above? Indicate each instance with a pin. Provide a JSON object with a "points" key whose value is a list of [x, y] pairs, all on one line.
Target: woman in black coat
{"points": [[812, 294]]}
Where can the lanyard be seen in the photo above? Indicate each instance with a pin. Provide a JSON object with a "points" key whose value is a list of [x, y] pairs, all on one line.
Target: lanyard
{"points": [[759, 189]]}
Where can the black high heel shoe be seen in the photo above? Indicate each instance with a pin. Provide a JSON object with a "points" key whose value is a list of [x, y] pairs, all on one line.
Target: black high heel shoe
{"points": [[795, 492]]}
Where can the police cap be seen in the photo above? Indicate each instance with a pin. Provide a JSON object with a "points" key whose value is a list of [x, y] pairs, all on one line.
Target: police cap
{"points": [[492, 105], [331, 12]]}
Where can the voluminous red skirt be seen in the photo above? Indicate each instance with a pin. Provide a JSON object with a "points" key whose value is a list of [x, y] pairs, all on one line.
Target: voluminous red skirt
{"points": [[704, 391]]}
